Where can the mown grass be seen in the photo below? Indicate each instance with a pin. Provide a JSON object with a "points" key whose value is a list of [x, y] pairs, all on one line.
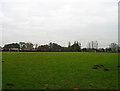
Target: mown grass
{"points": [[59, 70]]}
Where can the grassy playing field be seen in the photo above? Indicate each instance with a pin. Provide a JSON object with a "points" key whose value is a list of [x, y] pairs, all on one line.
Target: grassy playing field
{"points": [[59, 70]]}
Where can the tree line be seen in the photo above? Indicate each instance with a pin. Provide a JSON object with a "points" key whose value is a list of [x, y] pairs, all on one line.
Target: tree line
{"points": [[54, 47]]}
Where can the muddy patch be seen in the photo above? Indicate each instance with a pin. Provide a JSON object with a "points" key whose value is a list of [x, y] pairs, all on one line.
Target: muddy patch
{"points": [[10, 84], [106, 69]]}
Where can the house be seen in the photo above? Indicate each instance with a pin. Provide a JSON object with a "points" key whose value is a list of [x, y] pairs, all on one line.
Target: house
{"points": [[14, 49]]}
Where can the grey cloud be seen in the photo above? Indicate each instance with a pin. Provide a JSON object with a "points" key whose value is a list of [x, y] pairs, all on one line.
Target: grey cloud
{"points": [[42, 21]]}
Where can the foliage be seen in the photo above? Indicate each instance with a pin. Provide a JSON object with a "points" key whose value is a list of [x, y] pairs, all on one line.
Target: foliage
{"points": [[54, 47], [13, 45]]}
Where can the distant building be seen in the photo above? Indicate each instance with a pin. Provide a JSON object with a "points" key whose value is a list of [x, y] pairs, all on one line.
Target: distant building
{"points": [[28, 49], [14, 49]]}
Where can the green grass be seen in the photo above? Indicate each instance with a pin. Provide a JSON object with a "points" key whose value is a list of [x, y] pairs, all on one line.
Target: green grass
{"points": [[59, 70]]}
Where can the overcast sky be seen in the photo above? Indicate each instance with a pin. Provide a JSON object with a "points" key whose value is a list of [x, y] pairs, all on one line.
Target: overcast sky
{"points": [[59, 21]]}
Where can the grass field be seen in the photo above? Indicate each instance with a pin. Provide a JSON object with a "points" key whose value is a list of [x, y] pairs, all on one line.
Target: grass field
{"points": [[59, 70]]}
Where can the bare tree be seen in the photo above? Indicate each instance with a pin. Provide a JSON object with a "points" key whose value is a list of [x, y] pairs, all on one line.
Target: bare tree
{"points": [[89, 45], [29, 45], [36, 46], [69, 44], [93, 45], [22, 45], [80, 45], [114, 47]]}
